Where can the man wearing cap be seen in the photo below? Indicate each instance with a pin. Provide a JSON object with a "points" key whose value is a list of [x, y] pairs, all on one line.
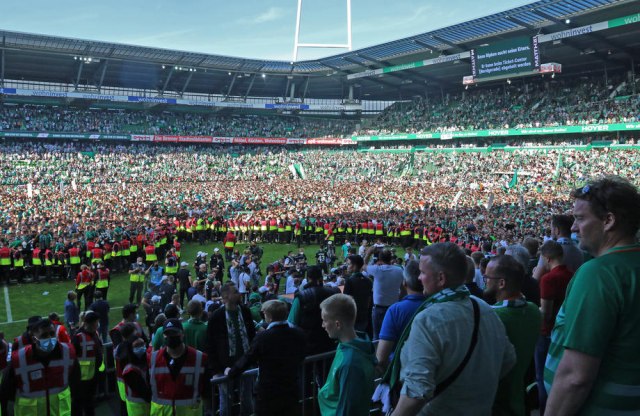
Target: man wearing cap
{"points": [[183, 278], [40, 375], [176, 374], [170, 312], [89, 353]]}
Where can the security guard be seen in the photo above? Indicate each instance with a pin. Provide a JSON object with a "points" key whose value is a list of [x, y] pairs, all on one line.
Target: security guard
{"points": [[177, 375], [89, 353], [41, 375], [103, 278]]}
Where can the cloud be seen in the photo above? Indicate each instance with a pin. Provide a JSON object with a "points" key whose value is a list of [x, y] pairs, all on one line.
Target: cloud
{"points": [[273, 13]]}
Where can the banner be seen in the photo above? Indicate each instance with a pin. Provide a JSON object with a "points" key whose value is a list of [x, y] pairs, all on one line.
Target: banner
{"points": [[530, 131], [142, 137]]}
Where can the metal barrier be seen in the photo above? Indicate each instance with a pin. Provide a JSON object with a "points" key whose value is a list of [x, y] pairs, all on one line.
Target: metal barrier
{"points": [[312, 375]]}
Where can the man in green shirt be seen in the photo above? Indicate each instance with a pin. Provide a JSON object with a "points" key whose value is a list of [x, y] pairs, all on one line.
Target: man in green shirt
{"points": [[195, 329], [593, 366], [503, 281], [349, 385]]}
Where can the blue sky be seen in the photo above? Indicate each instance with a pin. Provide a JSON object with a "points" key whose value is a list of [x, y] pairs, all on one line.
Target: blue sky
{"points": [[247, 28]]}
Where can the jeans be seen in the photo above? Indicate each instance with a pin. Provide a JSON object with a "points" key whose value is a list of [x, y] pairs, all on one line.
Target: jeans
{"points": [[377, 316], [540, 356], [244, 385]]}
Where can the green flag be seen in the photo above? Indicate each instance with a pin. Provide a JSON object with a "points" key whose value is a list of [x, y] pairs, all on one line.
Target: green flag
{"points": [[514, 180], [559, 165]]}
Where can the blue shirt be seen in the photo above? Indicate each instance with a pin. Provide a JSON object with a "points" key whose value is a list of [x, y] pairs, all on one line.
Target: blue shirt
{"points": [[155, 275], [71, 312], [398, 316]]}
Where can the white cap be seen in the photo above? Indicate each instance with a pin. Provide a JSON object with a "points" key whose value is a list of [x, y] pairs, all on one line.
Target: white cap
{"points": [[215, 250], [184, 264]]}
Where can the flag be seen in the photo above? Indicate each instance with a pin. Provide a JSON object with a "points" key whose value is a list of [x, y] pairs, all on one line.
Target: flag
{"points": [[298, 171], [514, 180], [559, 165], [30, 190]]}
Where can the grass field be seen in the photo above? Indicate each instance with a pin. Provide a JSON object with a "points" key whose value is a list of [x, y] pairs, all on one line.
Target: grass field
{"points": [[23, 301]]}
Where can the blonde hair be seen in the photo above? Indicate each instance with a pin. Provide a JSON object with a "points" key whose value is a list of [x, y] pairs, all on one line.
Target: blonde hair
{"points": [[340, 307]]}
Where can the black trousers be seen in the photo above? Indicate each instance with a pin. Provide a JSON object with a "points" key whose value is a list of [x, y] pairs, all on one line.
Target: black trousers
{"points": [[87, 292], [135, 290], [83, 399]]}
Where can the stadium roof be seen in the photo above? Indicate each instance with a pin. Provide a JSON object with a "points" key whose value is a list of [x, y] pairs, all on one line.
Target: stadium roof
{"points": [[40, 58]]}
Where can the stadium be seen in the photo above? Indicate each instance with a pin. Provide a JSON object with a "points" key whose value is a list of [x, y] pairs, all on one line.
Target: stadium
{"points": [[483, 137]]}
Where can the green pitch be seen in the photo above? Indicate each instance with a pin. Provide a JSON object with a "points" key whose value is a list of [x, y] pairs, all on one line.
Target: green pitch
{"points": [[23, 301]]}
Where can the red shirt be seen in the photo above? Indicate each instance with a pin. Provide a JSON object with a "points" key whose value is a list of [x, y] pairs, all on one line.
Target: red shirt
{"points": [[553, 286]]}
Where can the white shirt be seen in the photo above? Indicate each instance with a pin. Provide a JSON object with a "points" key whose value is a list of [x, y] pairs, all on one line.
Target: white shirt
{"points": [[291, 286]]}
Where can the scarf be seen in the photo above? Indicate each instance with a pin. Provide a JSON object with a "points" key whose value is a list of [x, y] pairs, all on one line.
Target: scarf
{"points": [[392, 375], [231, 330]]}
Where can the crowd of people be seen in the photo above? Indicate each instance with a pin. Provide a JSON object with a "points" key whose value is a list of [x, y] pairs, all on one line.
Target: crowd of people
{"points": [[61, 119], [521, 104], [471, 224], [534, 102], [458, 330]]}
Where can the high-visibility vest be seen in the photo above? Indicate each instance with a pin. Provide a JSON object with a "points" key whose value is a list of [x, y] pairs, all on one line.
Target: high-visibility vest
{"points": [[86, 278], [136, 277], [119, 368], [134, 248], [74, 255], [103, 279], [179, 396], [200, 225], [126, 247], [87, 355], [136, 405], [96, 255], [18, 262], [48, 258], [38, 386], [150, 252], [5, 256], [116, 250], [379, 229]]}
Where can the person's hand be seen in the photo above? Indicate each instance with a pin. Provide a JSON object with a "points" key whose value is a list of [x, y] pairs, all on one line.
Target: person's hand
{"points": [[226, 371]]}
